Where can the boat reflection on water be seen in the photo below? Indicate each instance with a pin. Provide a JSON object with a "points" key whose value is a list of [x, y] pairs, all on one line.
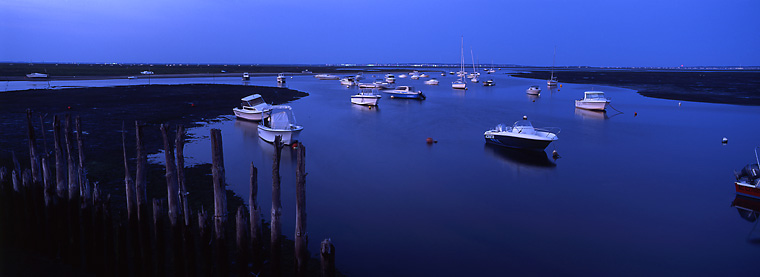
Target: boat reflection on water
{"points": [[533, 97], [250, 131], [363, 108], [749, 209], [518, 157], [282, 85], [589, 114]]}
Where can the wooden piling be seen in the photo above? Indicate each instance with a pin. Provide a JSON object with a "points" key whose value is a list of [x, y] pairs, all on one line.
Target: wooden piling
{"points": [[301, 252], [180, 144], [276, 224], [44, 137], [205, 244], [171, 179], [220, 200], [73, 180], [33, 158], [84, 185], [141, 175], [158, 234], [255, 214], [60, 171], [327, 258], [241, 247], [129, 185]]}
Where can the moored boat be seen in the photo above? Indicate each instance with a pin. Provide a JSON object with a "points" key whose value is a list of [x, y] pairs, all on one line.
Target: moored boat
{"points": [[246, 76], [521, 135], [533, 90], [748, 179], [423, 75], [36, 75], [390, 78], [326, 77], [279, 121], [432, 81], [592, 100], [252, 108], [281, 78], [348, 81], [488, 83], [366, 97], [406, 92]]}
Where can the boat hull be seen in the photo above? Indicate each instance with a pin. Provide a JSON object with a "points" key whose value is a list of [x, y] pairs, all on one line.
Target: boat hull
{"points": [[746, 189], [365, 100], [591, 105], [533, 91], [518, 142], [288, 136], [249, 115], [459, 86], [551, 83], [407, 95]]}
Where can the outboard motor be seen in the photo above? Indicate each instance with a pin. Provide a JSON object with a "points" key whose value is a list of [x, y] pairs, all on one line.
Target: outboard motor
{"points": [[751, 172]]}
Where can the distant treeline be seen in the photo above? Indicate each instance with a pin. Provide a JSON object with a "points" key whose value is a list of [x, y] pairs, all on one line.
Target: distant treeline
{"points": [[69, 69]]}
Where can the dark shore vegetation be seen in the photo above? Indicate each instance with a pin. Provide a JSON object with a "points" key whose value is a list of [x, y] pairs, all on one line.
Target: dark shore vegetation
{"points": [[741, 87]]}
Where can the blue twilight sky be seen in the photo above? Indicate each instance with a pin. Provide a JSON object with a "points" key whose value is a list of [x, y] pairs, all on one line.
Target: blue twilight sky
{"points": [[585, 32]]}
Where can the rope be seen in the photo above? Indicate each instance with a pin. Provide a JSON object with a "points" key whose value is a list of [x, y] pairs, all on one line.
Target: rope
{"points": [[610, 105]]}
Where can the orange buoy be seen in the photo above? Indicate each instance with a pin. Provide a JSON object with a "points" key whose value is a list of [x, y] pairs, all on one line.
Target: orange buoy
{"points": [[635, 114], [429, 140], [560, 85]]}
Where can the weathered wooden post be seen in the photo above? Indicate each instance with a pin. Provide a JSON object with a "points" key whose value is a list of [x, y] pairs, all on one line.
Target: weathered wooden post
{"points": [[182, 235], [180, 143], [276, 225], [255, 214], [220, 200], [60, 165], [241, 252], [44, 137], [302, 254], [141, 198], [171, 179], [129, 185], [33, 159], [205, 244], [73, 180], [327, 258], [84, 184]]}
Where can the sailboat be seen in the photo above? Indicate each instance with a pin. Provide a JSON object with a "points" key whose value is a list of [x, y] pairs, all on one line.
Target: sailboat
{"points": [[460, 84], [553, 81], [475, 73]]}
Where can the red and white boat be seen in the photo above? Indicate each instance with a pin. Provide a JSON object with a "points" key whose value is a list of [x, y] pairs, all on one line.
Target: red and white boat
{"points": [[748, 179]]}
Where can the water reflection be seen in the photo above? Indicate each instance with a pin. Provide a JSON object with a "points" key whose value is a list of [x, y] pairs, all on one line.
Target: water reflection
{"points": [[533, 97], [251, 136], [592, 115], [366, 109], [749, 209], [518, 157]]}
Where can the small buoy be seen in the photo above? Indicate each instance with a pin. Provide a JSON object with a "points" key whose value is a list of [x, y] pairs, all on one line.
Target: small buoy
{"points": [[725, 140], [555, 155], [294, 145], [679, 104], [69, 107], [192, 104], [429, 140], [635, 114], [525, 117], [560, 85], [534, 100]]}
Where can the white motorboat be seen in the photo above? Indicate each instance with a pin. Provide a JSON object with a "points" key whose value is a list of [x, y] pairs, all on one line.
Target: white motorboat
{"points": [[474, 79], [489, 83], [443, 73], [131, 77], [423, 75], [390, 78], [246, 76], [326, 77], [253, 108], [402, 76], [366, 97], [348, 81], [592, 100], [533, 90], [415, 76], [748, 179], [458, 84], [405, 92], [378, 84], [146, 72], [432, 81], [279, 121], [37, 75], [552, 82], [522, 135], [281, 78]]}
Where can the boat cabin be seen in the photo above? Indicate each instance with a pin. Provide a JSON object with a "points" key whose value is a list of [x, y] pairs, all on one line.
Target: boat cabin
{"points": [[405, 88], [280, 118], [252, 101], [594, 96]]}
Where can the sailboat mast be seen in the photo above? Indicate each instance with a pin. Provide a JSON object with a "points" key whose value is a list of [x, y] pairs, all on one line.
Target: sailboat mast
{"points": [[461, 64], [473, 61], [553, 59]]}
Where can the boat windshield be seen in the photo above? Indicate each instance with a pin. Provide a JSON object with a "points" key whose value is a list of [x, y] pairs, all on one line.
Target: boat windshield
{"points": [[524, 127], [281, 118], [595, 95], [254, 102]]}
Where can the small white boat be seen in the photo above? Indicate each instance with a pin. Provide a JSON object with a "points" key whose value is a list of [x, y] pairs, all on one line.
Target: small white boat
{"points": [[326, 77], [402, 76], [37, 75], [443, 73], [451, 72], [423, 75], [474, 79], [246, 77], [379, 84], [489, 83], [533, 90], [458, 84], [131, 77], [415, 77], [552, 82], [146, 72], [359, 76], [390, 78], [592, 100], [348, 81], [432, 81], [405, 92], [521, 135], [366, 97], [253, 108], [281, 78], [279, 121]]}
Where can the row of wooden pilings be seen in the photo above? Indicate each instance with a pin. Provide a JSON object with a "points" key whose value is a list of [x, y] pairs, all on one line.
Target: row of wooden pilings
{"points": [[55, 212]]}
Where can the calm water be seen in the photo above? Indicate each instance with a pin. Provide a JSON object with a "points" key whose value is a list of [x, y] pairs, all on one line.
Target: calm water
{"points": [[631, 195]]}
